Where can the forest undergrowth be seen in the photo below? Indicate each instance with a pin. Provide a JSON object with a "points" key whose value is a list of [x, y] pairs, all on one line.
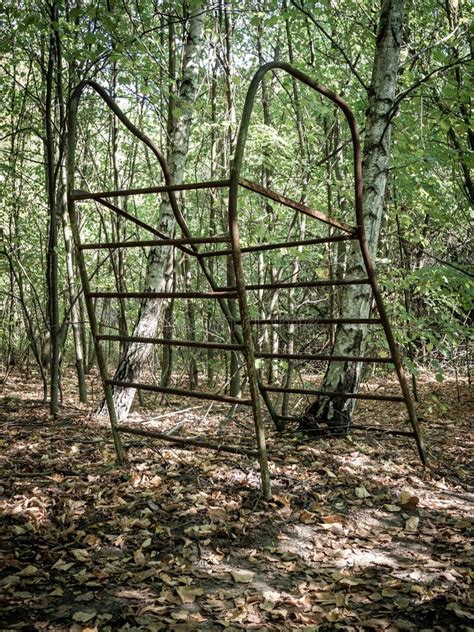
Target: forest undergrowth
{"points": [[358, 535]]}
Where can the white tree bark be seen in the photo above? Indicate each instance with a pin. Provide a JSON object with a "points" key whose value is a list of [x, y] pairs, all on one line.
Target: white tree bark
{"points": [[159, 271], [356, 300]]}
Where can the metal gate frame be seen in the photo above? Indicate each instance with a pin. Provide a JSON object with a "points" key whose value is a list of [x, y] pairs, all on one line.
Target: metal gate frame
{"points": [[241, 329]]}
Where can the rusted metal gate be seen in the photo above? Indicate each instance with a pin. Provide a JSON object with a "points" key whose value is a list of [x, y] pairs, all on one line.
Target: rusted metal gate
{"points": [[240, 329]]}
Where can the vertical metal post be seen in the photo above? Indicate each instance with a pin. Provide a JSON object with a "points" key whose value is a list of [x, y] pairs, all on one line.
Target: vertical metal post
{"points": [[394, 352], [247, 338], [242, 297]]}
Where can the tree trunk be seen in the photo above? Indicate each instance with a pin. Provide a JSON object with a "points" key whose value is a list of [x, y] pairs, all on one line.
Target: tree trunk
{"points": [[345, 376], [117, 258], [225, 16], [51, 181], [74, 310], [269, 270], [167, 357], [291, 333], [74, 305], [159, 270]]}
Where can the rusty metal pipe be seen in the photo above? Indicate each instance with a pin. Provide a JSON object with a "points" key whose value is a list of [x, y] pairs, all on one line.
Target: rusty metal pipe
{"points": [[307, 391], [78, 196], [172, 343], [228, 399], [145, 243]]}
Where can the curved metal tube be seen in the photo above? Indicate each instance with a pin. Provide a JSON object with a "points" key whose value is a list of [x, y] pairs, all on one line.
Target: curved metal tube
{"points": [[72, 127], [335, 98], [359, 212]]}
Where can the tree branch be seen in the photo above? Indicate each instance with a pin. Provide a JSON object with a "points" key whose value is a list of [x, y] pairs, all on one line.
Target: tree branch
{"points": [[414, 58], [333, 42], [405, 93]]}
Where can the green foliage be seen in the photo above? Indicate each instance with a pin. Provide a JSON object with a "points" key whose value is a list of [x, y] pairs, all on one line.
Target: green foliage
{"points": [[428, 212]]}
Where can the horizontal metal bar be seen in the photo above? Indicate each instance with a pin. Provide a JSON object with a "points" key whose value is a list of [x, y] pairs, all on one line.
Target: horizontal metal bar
{"points": [[314, 356], [86, 195], [230, 294], [306, 391], [155, 242], [281, 244], [181, 392], [173, 343], [282, 199], [297, 284], [314, 321], [185, 441]]}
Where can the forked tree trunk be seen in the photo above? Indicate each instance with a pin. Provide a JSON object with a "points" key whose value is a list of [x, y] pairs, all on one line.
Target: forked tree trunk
{"points": [[159, 271], [356, 299]]}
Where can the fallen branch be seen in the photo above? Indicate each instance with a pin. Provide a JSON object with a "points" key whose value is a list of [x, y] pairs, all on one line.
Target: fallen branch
{"points": [[185, 441]]}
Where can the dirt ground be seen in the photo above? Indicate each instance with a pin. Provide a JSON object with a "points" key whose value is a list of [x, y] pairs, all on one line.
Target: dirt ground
{"points": [[358, 535]]}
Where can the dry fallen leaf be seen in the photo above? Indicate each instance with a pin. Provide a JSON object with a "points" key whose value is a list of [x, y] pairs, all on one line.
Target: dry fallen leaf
{"points": [[306, 516], [333, 615], [242, 576], [57, 592], [10, 580], [139, 558], [188, 594], [334, 518], [334, 527], [361, 492], [29, 571], [348, 581], [83, 616], [218, 513], [61, 565], [411, 525], [81, 555], [406, 499], [199, 530]]}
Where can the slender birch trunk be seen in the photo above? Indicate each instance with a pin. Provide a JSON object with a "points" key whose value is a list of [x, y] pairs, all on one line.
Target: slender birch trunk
{"points": [[356, 300], [273, 340], [117, 258], [291, 333], [225, 18], [167, 353], [159, 270]]}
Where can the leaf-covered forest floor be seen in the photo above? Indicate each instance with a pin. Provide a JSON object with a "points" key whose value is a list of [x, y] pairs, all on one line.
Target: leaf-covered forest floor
{"points": [[358, 535]]}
